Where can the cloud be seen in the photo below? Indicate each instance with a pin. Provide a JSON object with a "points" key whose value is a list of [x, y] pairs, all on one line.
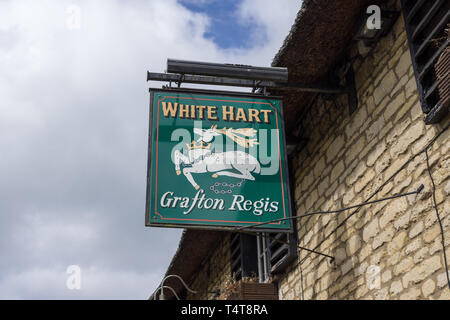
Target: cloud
{"points": [[198, 2], [272, 20], [73, 138]]}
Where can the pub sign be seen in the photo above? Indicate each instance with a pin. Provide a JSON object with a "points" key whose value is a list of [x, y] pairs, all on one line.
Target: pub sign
{"points": [[217, 161]]}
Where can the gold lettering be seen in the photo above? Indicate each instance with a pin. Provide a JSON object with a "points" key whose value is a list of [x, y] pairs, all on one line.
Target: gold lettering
{"points": [[228, 115], [266, 115], [253, 113], [193, 113], [212, 113], [183, 111], [169, 108], [201, 114], [241, 115]]}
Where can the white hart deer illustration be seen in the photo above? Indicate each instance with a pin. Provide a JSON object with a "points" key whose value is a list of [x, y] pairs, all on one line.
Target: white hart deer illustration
{"points": [[200, 159]]}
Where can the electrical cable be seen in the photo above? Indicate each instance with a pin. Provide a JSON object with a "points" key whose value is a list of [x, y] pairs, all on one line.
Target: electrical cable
{"points": [[162, 286], [438, 218], [152, 297]]}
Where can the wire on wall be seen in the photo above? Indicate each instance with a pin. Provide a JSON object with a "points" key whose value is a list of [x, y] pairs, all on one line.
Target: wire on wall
{"points": [[161, 288], [438, 218]]}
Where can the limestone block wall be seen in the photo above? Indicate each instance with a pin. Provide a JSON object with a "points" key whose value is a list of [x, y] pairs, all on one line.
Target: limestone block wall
{"points": [[388, 250], [392, 249], [214, 273]]}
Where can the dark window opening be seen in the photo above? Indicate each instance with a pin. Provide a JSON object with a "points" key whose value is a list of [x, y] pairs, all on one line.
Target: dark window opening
{"points": [[427, 23], [261, 255], [243, 256], [282, 250]]}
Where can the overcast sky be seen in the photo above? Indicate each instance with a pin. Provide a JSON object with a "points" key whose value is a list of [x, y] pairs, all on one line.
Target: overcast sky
{"points": [[74, 126]]}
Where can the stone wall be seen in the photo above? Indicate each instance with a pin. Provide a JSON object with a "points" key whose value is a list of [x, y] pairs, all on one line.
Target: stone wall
{"points": [[387, 250], [214, 273], [391, 249]]}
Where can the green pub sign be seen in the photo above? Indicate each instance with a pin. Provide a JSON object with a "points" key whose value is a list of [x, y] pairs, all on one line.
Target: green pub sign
{"points": [[217, 160]]}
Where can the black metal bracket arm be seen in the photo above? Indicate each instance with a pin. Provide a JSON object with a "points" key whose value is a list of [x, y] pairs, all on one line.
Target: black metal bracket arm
{"points": [[263, 85], [318, 253], [235, 82], [259, 79]]}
